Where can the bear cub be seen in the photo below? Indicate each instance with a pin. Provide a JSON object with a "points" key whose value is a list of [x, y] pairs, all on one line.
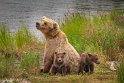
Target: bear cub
{"points": [[58, 66], [87, 62]]}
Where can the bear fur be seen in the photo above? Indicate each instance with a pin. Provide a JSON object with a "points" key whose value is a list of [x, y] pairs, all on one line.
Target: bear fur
{"points": [[56, 41], [58, 66], [87, 62]]}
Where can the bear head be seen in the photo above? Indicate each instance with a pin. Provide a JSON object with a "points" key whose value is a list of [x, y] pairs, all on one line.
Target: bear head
{"points": [[94, 58], [59, 58], [48, 27]]}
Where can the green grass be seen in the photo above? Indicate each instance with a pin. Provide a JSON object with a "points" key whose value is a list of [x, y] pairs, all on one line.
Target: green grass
{"points": [[101, 35], [121, 72], [23, 37], [74, 28], [101, 75], [30, 62], [5, 39], [21, 47], [6, 66]]}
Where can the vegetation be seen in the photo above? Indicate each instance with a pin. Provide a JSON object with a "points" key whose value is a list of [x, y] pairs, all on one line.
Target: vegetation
{"points": [[103, 34], [121, 72], [6, 66], [20, 52], [30, 62]]}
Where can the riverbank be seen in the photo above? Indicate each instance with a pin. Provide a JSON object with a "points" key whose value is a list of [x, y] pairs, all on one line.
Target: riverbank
{"points": [[20, 53]]}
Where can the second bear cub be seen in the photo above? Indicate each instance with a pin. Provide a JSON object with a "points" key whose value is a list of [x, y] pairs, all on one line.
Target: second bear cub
{"points": [[87, 62], [58, 66]]}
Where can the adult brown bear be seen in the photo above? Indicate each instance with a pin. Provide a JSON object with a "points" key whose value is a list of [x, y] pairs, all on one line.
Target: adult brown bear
{"points": [[56, 41]]}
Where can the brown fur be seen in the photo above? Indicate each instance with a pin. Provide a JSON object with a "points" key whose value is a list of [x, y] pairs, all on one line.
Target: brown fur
{"points": [[56, 41], [87, 62], [58, 65]]}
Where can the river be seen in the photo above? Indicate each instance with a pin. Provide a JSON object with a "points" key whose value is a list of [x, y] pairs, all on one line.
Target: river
{"points": [[13, 12]]}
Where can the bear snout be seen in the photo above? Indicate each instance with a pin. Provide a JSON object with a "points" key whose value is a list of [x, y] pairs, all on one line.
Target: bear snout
{"points": [[60, 60], [98, 62], [37, 25]]}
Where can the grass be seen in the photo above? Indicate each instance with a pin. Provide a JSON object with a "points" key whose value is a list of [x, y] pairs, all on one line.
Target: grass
{"points": [[121, 72], [30, 62], [101, 34], [23, 37], [74, 28], [20, 52], [5, 39], [6, 66]]}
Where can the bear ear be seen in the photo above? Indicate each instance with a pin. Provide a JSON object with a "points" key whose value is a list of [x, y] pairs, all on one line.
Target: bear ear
{"points": [[89, 54], [64, 53], [55, 25], [43, 17]]}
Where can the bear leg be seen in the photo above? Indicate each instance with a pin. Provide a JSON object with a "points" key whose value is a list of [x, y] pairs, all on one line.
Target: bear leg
{"points": [[91, 68], [87, 68], [47, 66]]}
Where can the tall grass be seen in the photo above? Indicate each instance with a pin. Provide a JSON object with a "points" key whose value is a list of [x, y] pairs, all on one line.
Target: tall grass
{"points": [[100, 34], [121, 73], [30, 62], [23, 37], [6, 40], [117, 16], [21, 47], [6, 66], [74, 27]]}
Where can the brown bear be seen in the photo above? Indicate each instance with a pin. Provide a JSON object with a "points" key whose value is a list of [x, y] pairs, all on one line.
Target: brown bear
{"points": [[87, 62], [58, 66], [56, 41]]}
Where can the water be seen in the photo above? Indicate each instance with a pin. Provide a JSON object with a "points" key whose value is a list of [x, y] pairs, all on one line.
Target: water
{"points": [[12, 12]]}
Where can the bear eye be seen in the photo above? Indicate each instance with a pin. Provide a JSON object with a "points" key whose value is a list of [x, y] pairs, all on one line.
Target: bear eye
{"points": [[96, 59], [45, 23]]}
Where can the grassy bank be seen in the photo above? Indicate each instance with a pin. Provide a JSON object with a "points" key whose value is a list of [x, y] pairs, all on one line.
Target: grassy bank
{"points": [[20, 52], [103, 34]]}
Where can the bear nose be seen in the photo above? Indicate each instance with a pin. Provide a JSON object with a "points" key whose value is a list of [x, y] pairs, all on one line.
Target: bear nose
{"points": [[59, 60], [98, 62], [37, 24]]}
